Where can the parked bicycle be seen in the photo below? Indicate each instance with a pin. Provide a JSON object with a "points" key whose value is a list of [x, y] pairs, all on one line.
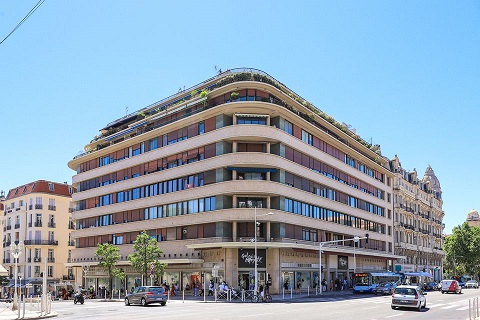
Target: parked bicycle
{"points": [[258, 296]]}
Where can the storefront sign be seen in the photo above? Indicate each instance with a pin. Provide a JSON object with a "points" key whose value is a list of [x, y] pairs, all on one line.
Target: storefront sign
{"points": [[343, 262], [246, 258]]}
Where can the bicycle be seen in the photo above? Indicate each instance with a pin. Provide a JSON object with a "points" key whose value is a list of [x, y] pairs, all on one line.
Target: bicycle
{"points": [[266, 298]]}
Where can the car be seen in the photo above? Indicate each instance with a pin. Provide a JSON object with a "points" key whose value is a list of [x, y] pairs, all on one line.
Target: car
{"points": [[471, 284], [451, 286], [385, 288], [428, 286], [407, 296], [146, 295]]}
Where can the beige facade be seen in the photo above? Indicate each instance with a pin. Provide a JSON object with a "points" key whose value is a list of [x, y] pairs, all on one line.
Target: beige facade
{"points": [[418, 218], [39, 214], [196, 168], [473, 218]]}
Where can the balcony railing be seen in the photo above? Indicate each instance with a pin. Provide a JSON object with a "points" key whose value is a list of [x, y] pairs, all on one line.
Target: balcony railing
{"points": [[50, 259], [41, 242], [9, 227], [39, 206], [38, 223], [37, 259], [71, 243], [69, 277], [30, 207], [53, 208], [52, 224], [30, 224], [17, 225], [6, 260]]}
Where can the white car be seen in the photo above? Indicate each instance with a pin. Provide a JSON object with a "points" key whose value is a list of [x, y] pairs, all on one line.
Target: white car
{"points": [[471, 284], [409, 297]]}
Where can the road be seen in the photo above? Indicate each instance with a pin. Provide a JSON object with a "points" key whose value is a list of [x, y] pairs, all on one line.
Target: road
{"points": [[358, 307]]}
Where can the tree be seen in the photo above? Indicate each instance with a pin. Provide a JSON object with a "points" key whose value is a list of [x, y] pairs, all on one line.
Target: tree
{"points": [[462, 250], [108, 256], [146, 252]]}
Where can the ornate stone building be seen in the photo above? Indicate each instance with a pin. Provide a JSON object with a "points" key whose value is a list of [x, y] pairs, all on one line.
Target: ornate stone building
{"points": [[473, 219], [418, 217]]}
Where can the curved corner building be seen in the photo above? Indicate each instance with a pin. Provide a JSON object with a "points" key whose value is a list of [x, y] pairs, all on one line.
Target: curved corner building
{"points": [[196, 169]]}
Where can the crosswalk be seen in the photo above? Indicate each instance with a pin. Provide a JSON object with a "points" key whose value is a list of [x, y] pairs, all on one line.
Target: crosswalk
{"points": [[373, 301]]}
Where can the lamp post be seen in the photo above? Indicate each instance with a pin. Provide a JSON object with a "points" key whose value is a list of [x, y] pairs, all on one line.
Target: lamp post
{"points": [[85, 269], [255, 240], [16, 251], [320, 246]]}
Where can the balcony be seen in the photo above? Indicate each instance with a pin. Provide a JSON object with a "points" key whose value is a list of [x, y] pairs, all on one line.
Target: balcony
{"points": [[41, 242], [52, 208], [17, 225], [71, 226], [71, 243], [9, 227], [51, 260], [30, 207], [30, 224], [52, 224], [70, 210], [69, 277], [7, 260], [38, 223], [37, 259], [39, 206]]}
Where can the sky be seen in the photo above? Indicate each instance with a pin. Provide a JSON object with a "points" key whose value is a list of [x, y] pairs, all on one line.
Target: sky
{"points": [[404, 74]]}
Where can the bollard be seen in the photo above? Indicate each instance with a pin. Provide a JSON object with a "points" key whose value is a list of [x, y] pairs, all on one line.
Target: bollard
{"points": [[469, 309], [476, 310], [308, 291], [183, 296], [168, 295], [215, 293], [283, 293], [243, 295], [291, 292]]}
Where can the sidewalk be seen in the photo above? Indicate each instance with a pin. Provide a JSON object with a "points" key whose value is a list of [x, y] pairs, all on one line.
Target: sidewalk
{"points": [[6, 313]]}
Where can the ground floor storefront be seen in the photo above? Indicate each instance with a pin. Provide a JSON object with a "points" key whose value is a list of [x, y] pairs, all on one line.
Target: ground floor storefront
{"points": [[284, 269]]}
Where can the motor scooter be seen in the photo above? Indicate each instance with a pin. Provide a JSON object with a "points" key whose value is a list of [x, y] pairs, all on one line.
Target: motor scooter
{"points": [[78, 297]]}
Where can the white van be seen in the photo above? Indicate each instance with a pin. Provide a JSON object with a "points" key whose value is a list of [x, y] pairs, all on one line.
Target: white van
{"points": [[451, 286]]}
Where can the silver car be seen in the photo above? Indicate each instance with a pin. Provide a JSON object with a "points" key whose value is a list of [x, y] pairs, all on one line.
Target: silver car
{"points": [[145, 295], [471, 284], [409, 297]]}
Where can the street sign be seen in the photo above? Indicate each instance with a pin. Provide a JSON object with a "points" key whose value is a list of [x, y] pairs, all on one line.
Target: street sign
{"points": [[152, 268]]}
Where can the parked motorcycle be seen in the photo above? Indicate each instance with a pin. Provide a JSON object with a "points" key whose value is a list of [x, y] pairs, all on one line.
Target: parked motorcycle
{"points": [[78, 297]]}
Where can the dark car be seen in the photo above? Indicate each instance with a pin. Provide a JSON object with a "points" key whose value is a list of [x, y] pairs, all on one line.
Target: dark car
{"points": [[385, 288], [428, 286], [145, 295]]}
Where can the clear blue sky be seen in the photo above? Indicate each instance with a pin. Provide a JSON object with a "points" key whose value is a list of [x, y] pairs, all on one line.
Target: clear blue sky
{"points": [[404, 74]]}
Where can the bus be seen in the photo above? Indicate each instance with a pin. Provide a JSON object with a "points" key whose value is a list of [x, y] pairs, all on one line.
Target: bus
{"points": [[365, 282]]}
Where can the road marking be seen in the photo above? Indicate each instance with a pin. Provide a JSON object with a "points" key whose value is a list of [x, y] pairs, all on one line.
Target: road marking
{"points": [[451, 306], [435, 305], [462, 308], [370, 308], [395, 315]]}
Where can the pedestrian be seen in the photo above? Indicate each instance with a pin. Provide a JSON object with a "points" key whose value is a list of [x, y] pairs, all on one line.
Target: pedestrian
{"points": [[210, 288], [332, 284], [345, 284]]}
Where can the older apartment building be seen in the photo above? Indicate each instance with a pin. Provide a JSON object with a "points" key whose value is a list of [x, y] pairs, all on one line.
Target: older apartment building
{"points": [[195, 169], [38, 214], [418, 217]]}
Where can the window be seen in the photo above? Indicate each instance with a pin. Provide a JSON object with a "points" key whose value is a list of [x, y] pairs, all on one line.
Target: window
{"points": [[288, 127], [201, 127], [307, 137], [50, 271], [153, 144]]}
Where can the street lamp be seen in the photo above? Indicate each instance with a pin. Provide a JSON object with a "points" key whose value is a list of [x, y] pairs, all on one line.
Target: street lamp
{"points": [[16, 251], [85, 269], [256, 260], [320, 246]]}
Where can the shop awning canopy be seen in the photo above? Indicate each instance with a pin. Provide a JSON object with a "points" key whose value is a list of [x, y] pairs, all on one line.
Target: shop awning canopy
{"points": [[3, 271], [419, 274], [385, 274]]}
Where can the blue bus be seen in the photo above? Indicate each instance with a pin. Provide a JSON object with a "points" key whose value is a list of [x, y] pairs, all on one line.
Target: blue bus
{"points": [[365, 282]]}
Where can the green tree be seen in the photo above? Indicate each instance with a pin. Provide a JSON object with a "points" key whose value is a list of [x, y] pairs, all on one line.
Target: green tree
{"points": [[108, 256], [145, 252], [462, 250]]}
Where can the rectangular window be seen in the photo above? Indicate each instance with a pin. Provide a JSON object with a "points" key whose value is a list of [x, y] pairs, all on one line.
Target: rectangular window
{"points": [[307, 137], [288, 127]]}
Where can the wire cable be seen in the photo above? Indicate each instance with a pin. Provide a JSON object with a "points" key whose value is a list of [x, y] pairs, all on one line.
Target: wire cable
{"points": [[39, 3]]}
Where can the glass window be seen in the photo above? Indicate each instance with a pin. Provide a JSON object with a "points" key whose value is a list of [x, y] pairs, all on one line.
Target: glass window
{"points": [[288, 127]]}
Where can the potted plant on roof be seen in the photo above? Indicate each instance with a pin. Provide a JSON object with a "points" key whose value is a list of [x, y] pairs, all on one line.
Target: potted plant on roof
{"points": [[234, 96]]}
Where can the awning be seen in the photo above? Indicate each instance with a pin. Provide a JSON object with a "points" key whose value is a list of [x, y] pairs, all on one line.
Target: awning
{"points": [[385, 274], [248, 169], [418, 274], [3, 271]]}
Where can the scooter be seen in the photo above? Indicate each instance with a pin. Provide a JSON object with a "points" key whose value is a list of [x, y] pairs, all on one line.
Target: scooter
{"points": [[78, 297]]}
